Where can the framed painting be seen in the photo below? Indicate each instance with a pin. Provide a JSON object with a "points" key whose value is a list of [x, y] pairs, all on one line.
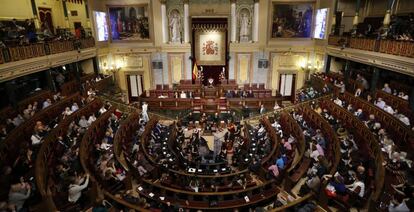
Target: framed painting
{"points": [[129, 22], [210, 47], [291, 20]]}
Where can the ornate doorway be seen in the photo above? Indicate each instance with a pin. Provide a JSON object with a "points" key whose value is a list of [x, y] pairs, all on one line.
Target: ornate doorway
{"points": [[46, 21]]}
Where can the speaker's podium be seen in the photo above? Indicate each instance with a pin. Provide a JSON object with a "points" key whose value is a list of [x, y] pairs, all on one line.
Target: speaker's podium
{"points": [[210, 91]]}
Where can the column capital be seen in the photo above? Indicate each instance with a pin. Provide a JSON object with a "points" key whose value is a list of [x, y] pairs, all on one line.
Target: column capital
{"points": [[233, 1], [163, 1], [256, 1], [186, 1]]}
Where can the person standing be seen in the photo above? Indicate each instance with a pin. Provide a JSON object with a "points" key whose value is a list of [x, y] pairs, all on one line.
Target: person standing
{"points": [[262, 110], [144, 112]]}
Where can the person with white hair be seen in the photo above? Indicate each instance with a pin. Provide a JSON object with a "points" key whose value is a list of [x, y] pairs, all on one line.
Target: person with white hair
{"points": [[83, 122], [67, 112], [386, 88], [404, 119], [91, 119], [74, 107], [338, 101], [380, 103], [144, 113]]}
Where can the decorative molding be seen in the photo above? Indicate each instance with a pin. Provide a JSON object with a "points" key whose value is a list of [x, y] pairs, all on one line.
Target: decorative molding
{"points": [[12, 70], [170, 67], [249, 73], [395, 63]]}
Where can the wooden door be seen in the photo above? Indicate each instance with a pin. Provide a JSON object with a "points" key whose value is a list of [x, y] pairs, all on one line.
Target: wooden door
{"points": [[135, 87], [287, 86]]}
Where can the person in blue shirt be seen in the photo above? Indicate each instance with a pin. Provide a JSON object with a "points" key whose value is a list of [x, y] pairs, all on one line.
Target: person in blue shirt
{"points": [[280, 163]]}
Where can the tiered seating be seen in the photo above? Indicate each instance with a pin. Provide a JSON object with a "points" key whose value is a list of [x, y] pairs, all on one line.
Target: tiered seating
{"points": [[389, 122], [87, 82], [396, 103], [356, 148], [310, 121], [48, 183], [394, 126], [89, 156], [10, 147], [10, 112], [166, 189], [300, 163], [367, 143]]}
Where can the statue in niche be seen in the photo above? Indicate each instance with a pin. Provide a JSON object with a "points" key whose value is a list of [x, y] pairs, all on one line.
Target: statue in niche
{"points": [[175, 26], [244, 26]]}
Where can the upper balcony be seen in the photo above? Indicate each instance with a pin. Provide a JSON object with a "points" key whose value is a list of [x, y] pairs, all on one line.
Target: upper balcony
{"points": [[21, 60], [393, 55], [394, 47], [16, 53]]}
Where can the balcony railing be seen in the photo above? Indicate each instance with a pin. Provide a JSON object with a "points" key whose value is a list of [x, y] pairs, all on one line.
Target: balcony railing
{"points": [[12, 54], [394, 47]]}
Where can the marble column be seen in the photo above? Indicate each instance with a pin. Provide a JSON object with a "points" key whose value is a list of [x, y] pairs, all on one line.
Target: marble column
{"points": [[49, 79], [374, 80], [411, 98], [88, 21], [346, 72], [255, 36], [334, 24], [34, 11], [233, 21], [11, 88], [355, 21], [328, 64], [186, 22], [95, 65], [164, 21], [387, 17], [65, 13]]}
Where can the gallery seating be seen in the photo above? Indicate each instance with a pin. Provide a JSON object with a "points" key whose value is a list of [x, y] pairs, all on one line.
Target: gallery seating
{"points": [[394, 47], [17, 53], [48, 156], [367, 143], [10, 147]]}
